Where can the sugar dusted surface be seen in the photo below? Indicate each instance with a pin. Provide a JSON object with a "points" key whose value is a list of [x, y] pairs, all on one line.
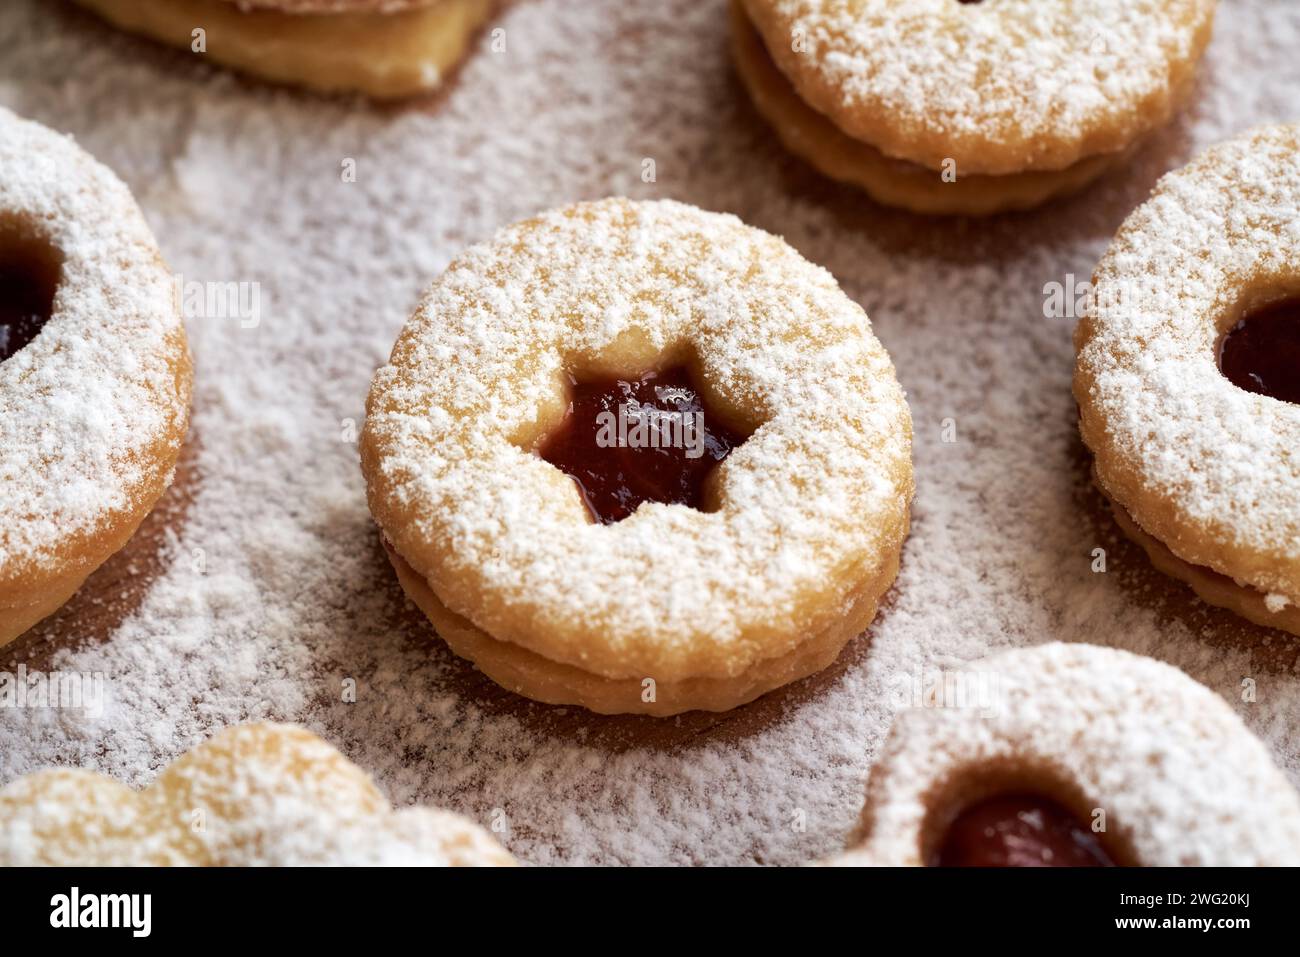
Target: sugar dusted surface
{"points": [[274, 589]]}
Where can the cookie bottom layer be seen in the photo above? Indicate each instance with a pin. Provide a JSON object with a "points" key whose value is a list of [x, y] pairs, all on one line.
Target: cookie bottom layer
{"points": [[893, 182], [23, 608], [35, 597], [16, 619], [534, 676], [381, 55], [1210, 586]]}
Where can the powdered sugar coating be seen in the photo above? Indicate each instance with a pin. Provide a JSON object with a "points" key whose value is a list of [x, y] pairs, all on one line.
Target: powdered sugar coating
{"points": [[822, 486], [1001, 86], [85, 406], [1181, 780], [1208, 468]]}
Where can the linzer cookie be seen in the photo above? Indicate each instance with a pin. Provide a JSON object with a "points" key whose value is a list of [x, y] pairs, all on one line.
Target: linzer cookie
{"points": [[383, 48], [256, 794], [951, 106], [640, 458], [94, 371], [1188, 376], [1081, 756]]}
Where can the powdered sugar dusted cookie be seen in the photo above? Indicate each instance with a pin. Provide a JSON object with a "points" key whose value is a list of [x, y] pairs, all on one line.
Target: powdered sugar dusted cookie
{"points": [[383, 48], [641, 458], [94, 370], [1077, 755], [257, 794], [1188, 376], [944, 106]]}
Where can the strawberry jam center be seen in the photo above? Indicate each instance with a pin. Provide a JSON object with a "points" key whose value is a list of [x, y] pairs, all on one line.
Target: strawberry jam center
{"points": [[28, 278], [1261, 353], [1019, 830], [625, 442]]}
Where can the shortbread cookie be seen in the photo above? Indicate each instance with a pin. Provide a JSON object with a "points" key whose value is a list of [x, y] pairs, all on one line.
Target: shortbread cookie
{"points": [[383, 48], [625, 577], [94, 370], [256, 794], [1201, 284], [968, 108], [892, 182], [1074, 755]]}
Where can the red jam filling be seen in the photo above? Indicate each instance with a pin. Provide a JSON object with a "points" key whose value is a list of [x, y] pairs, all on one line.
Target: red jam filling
{"points": [[1019, 830], [27, 284], [1261, 353], [647, 440]]}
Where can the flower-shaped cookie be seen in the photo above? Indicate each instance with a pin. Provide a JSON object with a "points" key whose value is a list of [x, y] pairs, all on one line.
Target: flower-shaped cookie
{"points": [[253, 794]]}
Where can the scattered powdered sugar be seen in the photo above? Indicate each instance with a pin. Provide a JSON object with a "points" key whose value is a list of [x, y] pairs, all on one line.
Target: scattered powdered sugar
{"points": [[276, 597]]}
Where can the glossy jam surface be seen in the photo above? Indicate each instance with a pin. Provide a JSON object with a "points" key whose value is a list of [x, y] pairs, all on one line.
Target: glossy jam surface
{"points": [[27, 282], [1261, 353], [1019, 830], [647, 440]]}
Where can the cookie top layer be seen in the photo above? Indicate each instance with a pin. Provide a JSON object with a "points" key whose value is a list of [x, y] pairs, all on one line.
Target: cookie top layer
{"points": [[1001, 86], [1209, 469], [258, 794], [820, 488], [90, 407], [1180, 778]]}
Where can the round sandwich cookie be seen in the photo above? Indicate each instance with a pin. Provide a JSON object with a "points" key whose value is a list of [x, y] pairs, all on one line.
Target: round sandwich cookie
{"points": [[1075, 756], [253, 795], [1188, 376], [971, 108], [381, 48], [95, 373], [640, 458]]}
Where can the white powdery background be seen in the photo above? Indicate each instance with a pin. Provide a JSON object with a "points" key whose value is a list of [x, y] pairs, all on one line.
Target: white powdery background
{"points": [[241, 182]]}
